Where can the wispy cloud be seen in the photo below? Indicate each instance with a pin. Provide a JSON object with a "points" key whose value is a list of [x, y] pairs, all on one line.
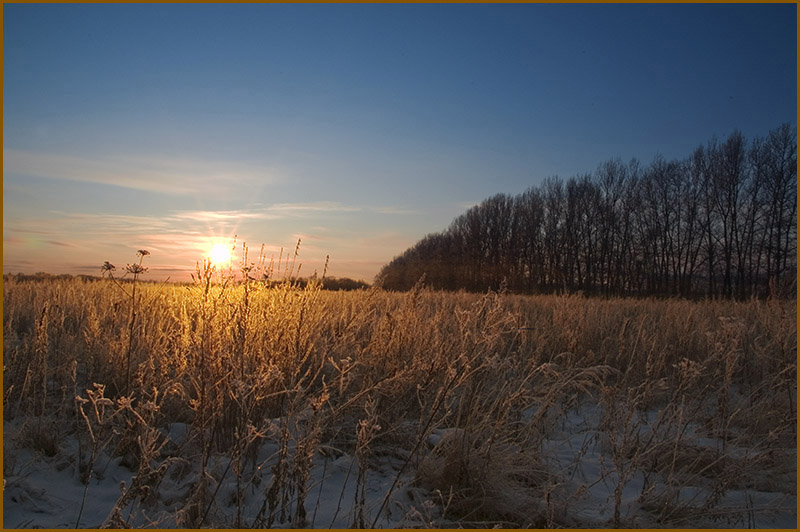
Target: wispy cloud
{"points": [[298, 209], [316, 206], [22, 229], [60, 243], [106, 223], [205, 216], [307, 237], [394, 210], [274, 211], [174, 176]]}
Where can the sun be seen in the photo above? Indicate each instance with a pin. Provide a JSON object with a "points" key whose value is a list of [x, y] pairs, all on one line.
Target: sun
{"points": [[220, 254]]}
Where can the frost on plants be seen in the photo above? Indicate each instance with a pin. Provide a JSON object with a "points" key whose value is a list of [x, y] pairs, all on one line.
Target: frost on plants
{"points": [[241, 401]]}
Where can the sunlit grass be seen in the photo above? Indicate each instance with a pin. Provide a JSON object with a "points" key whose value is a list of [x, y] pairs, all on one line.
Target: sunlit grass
{"points": [[248, 364]]}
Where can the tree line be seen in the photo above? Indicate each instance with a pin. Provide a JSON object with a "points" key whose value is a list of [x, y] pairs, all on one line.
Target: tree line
{"points": [[721, 222]]}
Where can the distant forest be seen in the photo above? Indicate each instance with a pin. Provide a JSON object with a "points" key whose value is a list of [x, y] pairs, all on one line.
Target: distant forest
{"points": [[720, 223]]}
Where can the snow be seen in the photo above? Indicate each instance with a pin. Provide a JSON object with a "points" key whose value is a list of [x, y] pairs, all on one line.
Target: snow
{"points": [[42, 492], [46, 492]]}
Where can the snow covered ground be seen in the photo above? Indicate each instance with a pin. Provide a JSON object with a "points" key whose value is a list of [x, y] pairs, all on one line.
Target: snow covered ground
{"points": [[579, 452], [45, 491]]}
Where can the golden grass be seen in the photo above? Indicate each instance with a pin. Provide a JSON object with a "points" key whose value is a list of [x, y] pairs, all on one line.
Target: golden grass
{"points": [[373, 373]]}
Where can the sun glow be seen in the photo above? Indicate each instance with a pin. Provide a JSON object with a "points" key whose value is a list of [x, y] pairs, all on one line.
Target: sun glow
{"points": [[220, 254]]}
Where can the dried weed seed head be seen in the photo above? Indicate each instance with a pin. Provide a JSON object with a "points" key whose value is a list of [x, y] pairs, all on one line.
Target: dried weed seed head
{"points": [[135, 269], [107, 267]]}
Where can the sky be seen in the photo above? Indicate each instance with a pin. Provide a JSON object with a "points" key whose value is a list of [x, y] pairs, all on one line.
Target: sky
{"points": [[358, 129]]}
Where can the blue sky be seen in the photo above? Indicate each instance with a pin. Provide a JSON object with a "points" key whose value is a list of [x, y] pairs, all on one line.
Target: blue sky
{"points": [[359, 128]]}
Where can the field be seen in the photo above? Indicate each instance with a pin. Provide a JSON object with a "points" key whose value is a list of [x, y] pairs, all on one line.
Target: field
{"points": [[237, 405]]}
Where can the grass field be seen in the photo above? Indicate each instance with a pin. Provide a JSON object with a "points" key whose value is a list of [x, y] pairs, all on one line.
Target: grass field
{"points": [[240, 405]]}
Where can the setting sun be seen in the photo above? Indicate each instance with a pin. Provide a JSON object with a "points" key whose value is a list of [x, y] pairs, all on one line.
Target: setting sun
{"points": [[220, 254]]}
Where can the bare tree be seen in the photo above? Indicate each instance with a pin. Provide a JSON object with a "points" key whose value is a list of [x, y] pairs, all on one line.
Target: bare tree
{"points": [[720, 223]]}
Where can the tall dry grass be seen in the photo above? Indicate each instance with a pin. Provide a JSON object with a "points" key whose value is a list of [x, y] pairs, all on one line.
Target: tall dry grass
{"points": [[463, 390]]}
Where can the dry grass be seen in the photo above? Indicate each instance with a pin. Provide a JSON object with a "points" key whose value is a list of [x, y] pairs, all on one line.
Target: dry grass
{"points": [[373, 373]]}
